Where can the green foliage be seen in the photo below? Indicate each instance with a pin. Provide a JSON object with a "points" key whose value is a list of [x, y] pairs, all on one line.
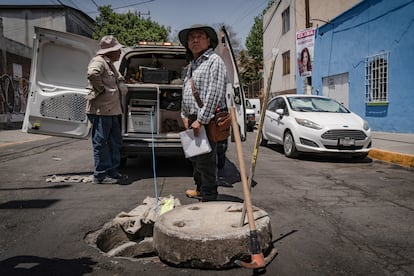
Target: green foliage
{"points": [[253, 59], [128, 28], [254, 41], [248, 67]]}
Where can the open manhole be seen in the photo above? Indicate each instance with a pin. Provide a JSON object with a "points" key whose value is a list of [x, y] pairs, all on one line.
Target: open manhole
{"points": [[200, 235], [130, 234]]}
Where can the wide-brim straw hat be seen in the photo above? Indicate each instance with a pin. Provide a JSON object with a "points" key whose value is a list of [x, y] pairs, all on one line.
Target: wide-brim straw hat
{"points": [[183, 34], [108, 44]]}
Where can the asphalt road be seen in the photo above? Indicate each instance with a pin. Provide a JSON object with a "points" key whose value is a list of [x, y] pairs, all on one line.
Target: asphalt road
{"points": [[330, 216]]}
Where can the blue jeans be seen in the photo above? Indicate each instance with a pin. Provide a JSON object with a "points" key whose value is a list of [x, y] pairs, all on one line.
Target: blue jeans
{"points": [[106, 142]]}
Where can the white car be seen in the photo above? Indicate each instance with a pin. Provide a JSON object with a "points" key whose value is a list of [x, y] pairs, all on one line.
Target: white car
{"points": [[315, 124]]}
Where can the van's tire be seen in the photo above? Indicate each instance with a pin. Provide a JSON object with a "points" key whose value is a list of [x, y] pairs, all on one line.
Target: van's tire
{"points": [[124, 161], [221, 160], [221, 153]]}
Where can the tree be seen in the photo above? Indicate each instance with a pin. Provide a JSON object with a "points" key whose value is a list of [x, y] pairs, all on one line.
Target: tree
{"points": [[254, 45], [248, 67], [129, 28], [254, 41], [234, 40]]}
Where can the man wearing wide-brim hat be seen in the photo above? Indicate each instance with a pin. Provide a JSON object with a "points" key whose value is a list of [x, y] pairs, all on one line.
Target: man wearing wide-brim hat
{"points": [[104, 110], [206, 77]]}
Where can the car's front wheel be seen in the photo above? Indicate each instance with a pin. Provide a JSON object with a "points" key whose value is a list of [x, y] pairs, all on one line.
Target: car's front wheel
{"points": [[289, 146]]}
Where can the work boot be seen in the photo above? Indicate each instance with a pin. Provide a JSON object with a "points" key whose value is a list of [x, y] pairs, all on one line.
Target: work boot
{"points": [[193, 193]]}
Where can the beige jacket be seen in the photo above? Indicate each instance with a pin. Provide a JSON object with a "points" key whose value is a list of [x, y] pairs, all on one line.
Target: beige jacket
{"points": [[104, 97]]}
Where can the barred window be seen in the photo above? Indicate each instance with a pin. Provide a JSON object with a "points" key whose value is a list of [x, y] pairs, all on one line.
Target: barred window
{"points": [[285, 21], [286, 63], [376, 78]]}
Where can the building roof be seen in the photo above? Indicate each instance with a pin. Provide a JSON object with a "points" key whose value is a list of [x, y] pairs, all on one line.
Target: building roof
{"points": [[15, 4]]}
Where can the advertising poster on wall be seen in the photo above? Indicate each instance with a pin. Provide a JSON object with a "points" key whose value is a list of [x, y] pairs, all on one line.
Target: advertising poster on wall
{"points": [[305, 41]]}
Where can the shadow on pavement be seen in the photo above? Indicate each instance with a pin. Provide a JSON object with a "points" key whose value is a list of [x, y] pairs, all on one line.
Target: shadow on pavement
{"points": [[333, 158], [28, 204], [37, 188], [32, 265]]}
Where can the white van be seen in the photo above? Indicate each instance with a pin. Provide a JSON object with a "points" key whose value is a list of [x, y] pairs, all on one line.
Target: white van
{"points": [[154, 72], [256, 106]]}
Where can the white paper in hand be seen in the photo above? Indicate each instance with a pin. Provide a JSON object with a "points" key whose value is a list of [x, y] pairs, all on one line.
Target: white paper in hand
{"points": [[192, 145]]}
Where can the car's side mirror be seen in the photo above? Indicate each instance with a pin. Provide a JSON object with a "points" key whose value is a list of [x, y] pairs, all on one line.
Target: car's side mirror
{"points": [[280, 111], [254, 106]]}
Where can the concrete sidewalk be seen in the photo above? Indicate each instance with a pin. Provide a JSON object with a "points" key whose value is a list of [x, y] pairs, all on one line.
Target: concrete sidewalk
{"points": [[395, 148]]}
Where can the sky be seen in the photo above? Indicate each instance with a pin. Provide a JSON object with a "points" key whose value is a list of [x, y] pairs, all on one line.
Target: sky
{"points": [[180, 14], [176, 14]]}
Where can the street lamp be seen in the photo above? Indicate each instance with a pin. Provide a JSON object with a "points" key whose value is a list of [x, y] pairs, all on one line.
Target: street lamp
{"points": [[320, 20]]}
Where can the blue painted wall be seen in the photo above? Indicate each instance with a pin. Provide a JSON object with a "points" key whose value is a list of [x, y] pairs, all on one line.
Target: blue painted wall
{"points": [[369, 28]]}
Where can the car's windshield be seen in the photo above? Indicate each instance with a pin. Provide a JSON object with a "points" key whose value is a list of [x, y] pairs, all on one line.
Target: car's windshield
{"points": [[248, 104], [315, 104]]}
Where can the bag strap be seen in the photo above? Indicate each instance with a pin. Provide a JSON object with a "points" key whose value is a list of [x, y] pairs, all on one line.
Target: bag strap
{"points": [[196, 94]]}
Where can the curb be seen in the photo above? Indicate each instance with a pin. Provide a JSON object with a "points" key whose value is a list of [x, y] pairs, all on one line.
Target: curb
{"points": [[402, 159]]}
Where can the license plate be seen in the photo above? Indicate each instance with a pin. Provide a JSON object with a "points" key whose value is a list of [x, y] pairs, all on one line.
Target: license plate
{"points": [[347, 142]]}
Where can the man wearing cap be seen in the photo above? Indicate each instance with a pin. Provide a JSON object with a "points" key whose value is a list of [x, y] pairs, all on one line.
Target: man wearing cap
{"points": [[104, 110], [206, 76]]}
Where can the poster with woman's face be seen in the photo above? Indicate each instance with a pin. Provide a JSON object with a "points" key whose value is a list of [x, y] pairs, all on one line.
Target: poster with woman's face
{"points": [[305, 41]]}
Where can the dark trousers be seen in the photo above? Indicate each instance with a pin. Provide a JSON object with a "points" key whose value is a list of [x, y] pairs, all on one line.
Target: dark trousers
{"points": [[204, 173]]}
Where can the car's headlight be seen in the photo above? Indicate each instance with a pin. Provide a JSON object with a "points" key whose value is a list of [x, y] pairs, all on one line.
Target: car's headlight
{"points": [[307, 123], [366, 125]]}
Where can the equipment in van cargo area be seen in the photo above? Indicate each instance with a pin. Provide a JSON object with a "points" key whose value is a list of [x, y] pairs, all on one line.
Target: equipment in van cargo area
{"points": [[170, 99], [141, 122], [155, 75], [141, 114]]}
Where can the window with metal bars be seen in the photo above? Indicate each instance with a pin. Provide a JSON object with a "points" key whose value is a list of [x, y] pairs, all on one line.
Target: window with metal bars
{"points": [[376, 78], [286, 63], [285, 21]]}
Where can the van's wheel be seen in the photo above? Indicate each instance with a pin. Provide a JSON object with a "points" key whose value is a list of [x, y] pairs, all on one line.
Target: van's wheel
{"points": [[289, 146], [221, 160], [221, 153], [124, 161]]}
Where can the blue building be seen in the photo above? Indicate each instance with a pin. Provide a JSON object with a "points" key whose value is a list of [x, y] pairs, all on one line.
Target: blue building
{"points": [[365, 58]]}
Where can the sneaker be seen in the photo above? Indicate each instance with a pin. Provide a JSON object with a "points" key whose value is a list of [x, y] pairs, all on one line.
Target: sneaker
{"points": [[193, 193], [120, 176], [106, 180]]}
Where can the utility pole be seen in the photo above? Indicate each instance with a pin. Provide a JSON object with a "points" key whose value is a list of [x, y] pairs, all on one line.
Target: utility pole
{"points": [[308, 23]]}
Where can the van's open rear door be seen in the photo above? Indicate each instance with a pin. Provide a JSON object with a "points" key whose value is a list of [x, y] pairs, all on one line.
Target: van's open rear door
{"points": [[235, 92], [58, 80]]}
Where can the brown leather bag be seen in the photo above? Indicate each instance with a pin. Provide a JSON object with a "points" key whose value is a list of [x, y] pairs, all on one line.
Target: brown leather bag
{"points": [[219, 127]]}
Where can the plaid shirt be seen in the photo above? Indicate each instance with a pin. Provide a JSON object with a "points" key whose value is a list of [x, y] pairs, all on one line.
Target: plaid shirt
{"points": [[209, 75]]}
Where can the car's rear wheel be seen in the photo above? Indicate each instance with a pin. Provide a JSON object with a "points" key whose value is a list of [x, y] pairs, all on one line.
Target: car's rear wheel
{"points": [[289, 146], [263, 141]]}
